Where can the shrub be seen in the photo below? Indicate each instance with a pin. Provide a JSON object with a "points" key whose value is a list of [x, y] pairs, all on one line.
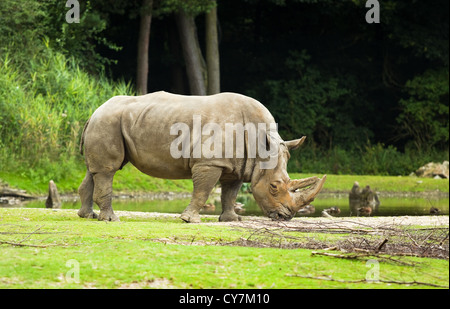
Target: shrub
{"points": [[43, 113], [366, 160]]}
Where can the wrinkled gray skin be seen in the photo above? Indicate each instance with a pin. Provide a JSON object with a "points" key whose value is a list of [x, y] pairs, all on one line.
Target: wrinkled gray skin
{"points": [[137, 130]]}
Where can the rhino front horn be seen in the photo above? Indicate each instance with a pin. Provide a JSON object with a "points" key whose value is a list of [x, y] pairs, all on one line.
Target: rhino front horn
{"points": [[306, 196]]}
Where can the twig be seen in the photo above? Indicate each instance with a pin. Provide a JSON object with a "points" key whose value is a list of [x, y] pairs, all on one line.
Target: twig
{"points": [[442, 241], [22, 245], [381, 245], [326, 214], [413, 240], [20, 233], [342, 256], [193, 238], [365, 254], [331, 248], [30, 234]]}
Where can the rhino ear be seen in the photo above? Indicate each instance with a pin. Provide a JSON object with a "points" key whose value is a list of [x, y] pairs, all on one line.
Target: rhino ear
{"points": [[294, 144]]}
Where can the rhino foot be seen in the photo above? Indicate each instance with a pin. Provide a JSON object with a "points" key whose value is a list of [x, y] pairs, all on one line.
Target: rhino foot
{"points": [[87, 214], [108, 216], [190, 217], [228, 217]]}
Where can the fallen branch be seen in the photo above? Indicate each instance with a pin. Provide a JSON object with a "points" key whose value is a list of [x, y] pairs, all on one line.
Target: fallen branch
{"points": [[389, 239], [4, 191], [23, 233], [365, 254], [370, 281], [19, 244]]}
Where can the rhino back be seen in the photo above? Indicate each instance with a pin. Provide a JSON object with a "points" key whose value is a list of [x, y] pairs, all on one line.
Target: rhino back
{"points": [[145, 123], [219, 108]]}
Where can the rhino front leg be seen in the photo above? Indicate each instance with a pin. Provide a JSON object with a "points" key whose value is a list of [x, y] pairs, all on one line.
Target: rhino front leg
{"points": [[230, 190], [204, 179], [103, 195]]}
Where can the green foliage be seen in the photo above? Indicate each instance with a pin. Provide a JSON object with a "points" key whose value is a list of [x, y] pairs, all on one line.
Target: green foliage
{"points": [[368, 159], [193, 7], [25, 23], [43, 114], [311, 102], [421, 30], [79, 40], [19, 31], [425, 113], [378, 160]]}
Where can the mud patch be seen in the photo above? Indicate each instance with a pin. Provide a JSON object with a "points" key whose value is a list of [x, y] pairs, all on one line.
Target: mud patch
{"points": [[157, 283]]}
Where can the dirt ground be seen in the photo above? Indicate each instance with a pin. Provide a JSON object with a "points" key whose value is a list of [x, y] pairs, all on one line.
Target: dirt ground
{"points": [[341, 222], [419, 236]]}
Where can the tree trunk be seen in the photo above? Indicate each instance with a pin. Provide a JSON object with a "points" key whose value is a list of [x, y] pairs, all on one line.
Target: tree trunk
{"points": [[177, 70], [195, 64], [53, 199], [212, 52], [143, 42]]}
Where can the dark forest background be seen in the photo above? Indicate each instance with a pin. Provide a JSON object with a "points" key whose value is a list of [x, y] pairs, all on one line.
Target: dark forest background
{"points": [[372, 98]]}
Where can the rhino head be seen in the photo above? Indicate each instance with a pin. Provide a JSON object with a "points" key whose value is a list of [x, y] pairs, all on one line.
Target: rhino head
{"points": [[278, 196]]}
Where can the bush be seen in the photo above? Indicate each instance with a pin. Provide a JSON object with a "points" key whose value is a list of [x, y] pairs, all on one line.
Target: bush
{"points": [[43, 114], [425, 112], [367, 160]]}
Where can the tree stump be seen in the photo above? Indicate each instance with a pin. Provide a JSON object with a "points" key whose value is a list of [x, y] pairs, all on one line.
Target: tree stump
{"points": [[53, 199], [363, 202]]}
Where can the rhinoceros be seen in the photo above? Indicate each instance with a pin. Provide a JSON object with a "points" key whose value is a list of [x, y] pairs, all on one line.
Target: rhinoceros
{"points": [[144, 130]]}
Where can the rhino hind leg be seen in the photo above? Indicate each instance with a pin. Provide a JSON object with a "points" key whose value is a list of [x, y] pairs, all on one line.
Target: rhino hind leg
{"points": [[230, 191], [86, 190], [204, 179], [102, 195]]}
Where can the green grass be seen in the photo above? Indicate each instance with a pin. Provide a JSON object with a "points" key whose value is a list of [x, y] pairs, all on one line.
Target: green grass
{"points": [[131, 180], [126, 254], [343, 183]]}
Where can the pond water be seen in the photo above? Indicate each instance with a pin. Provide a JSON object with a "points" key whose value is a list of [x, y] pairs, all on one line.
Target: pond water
{"points": [[390, 206]]}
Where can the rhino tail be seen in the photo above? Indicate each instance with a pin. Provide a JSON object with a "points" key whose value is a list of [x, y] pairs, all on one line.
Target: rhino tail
{"points": [[82, 136]]}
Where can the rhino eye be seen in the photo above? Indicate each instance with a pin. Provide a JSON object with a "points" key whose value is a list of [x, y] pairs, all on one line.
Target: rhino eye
{"points": [[273, 189]]}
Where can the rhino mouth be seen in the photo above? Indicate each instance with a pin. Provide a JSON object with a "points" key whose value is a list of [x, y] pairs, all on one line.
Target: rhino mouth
{"points": [[282, 214], [275, 216]]}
